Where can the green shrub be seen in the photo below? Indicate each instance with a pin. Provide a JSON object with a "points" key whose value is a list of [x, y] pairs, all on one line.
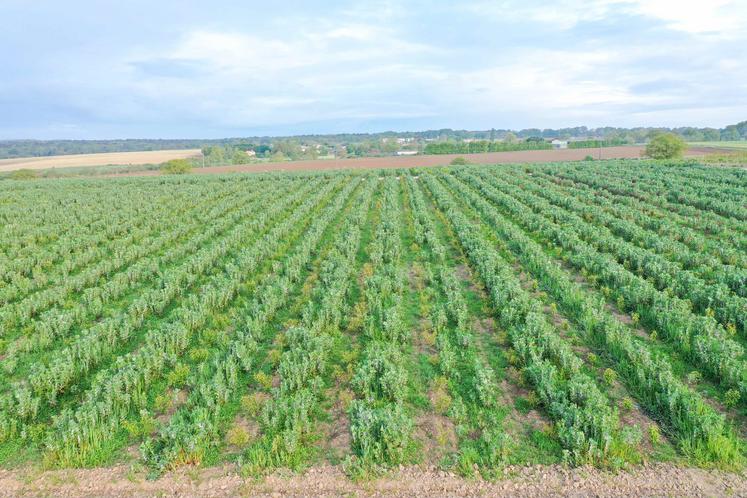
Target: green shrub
{"points": [[731, 398], [610, 376], [694, 377], [176, 167], [178, 375], [238, 436], [459, 161], [252, 404], [380, 435], [654, 434], [627, 405], [666, 146]]}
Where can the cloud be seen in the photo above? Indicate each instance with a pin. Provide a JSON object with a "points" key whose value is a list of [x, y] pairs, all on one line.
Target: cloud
{"points": [[721, 18], [326, 67]]}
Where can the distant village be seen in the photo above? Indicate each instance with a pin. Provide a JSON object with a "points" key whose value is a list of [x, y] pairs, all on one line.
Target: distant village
{"points": [[299, 148]]}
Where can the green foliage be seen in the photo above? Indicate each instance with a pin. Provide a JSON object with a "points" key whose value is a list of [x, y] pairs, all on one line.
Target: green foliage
{"points": [[731, 398], [381, 435], [666, 146], [609, 376], [23, 174], [252, 320], [176, 167], [482, 146], [459, 161], [588, 144]]}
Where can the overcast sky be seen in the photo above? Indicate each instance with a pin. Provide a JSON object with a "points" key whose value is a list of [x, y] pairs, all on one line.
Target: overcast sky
{"points": [[106, 69]]}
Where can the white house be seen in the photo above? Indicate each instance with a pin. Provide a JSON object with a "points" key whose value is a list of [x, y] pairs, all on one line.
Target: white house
{"points": [[407, 152], [559, 144]]}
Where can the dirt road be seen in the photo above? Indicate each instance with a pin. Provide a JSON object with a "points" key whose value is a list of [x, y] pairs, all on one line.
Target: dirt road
{"points": [[535, 481]]}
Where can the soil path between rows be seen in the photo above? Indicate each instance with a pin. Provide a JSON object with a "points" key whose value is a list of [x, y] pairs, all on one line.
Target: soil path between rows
{"points": [[534, 481]]}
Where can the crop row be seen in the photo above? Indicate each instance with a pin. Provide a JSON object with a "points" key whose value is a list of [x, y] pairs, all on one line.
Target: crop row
{"points": [[699, 338], [699, 429], [79, 434]]}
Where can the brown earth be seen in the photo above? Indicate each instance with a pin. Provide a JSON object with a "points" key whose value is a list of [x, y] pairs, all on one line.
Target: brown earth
{"points": [[534, 481], [523, 156], [103, 159]]}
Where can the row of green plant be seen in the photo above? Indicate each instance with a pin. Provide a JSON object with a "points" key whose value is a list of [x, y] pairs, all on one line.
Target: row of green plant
{"points": [[701, 194], [195, 428], [93, 302], [713, 259], [644, 253], [586, 424], [71, 225], [466, 390], [701, 339], [109, 254], [64, 367], [701, 432], [289, 419], [79, 435], [380, 425], [711, 224], [731, 183]]}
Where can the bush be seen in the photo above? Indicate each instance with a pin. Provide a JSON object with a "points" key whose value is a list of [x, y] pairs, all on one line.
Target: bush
{"points": [[23, 174], [654, 434], [609, 376], [731, 398], [238, 436], [176, 167], [588, 158], [666, 146], [459, 161]]}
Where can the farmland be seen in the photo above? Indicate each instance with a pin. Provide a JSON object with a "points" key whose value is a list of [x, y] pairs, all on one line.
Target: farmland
{"points": [[465, 318], [101, 159]]}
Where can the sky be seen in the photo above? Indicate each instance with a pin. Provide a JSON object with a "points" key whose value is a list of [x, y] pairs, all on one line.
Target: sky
{"points": [[185, 69]]}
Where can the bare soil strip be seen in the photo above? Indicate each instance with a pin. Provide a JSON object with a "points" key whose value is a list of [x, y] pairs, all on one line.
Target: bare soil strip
{"points": [[523, 156], [534, 481]]}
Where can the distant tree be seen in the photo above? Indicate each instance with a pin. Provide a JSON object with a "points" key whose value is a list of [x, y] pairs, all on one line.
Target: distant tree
{"points": [[711, 135], [510, 138], [665, 146], [176, 167], [288, 148], [277, 157], [535, 139], [730, 133], [240, 157]]}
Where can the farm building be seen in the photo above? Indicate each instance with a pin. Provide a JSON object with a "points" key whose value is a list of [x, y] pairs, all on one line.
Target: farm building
{"points": [[559, 144]]}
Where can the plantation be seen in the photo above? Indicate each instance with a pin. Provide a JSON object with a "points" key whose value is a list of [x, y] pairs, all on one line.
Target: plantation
{"points": [[468, 318]]}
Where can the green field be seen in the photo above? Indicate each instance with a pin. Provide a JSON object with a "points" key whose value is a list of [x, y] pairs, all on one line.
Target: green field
{"points": [[726, 144], [469, 318]]}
